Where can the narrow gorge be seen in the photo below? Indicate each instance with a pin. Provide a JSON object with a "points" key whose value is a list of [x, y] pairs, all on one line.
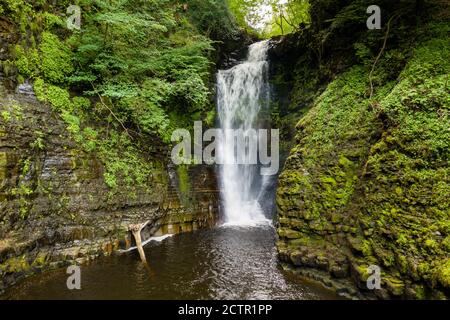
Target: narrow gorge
{"points": [[361, 120]]}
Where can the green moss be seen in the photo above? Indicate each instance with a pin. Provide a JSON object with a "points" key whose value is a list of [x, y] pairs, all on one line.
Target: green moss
{"points": [[289, 233], [284, 221], [336, 218], [52, 20], [123, 161], [446, 243], [394, 285], [81, 103], [6, 116], [402, 263], [183, 179], [402, 240], [420, 292], [424, 270], [56, 59], [379, 165], [366, 248], [15, 264], [27, 61], [362, 271], [443, 273], [40, 259], [430, 244], [3, 165], [56, 96], [330, 180], [110, 179]]}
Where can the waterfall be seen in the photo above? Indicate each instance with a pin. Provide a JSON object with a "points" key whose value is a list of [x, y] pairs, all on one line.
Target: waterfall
{"points": [[242, 93]]}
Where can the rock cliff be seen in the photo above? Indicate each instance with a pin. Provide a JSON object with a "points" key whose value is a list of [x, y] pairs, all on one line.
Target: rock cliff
{"points": [[366, 182], [56, 208]]}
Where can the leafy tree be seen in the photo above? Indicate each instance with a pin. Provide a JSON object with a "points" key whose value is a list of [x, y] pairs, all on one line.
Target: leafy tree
{"points": [[144, 57], [271, 17], [287, 16], [213, 18]]}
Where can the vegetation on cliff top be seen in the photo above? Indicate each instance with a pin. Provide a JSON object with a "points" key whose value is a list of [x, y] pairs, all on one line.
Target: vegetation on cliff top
{"points": [[268, 18], [133, 72]]}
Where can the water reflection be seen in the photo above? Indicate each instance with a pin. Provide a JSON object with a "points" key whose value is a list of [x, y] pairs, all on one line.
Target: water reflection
{"points": [[223, 263]]}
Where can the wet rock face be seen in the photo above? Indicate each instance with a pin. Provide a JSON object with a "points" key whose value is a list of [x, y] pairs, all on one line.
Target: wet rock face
{"points": [[55, 207], [352, 194], [8, 37], [25, 89], [331, 219], [333, 230], [231, 52]]}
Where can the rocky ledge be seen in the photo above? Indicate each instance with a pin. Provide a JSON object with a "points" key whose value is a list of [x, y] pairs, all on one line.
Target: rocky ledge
{"points": [[55, 208]]}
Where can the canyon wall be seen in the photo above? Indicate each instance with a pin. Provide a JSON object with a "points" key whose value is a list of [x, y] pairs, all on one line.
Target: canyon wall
{"points": [[56, 208], [366, 182]]}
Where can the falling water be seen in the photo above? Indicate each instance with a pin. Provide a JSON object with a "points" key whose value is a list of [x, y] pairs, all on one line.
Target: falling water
{"points": [[242, 92]]}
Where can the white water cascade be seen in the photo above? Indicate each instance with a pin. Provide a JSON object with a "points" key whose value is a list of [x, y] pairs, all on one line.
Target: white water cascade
{"points": [[242, 92]]}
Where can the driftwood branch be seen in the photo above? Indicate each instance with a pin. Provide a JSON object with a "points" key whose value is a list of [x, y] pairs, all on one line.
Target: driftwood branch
{"points": [[110, 110], [388, 29], [136, 230]]}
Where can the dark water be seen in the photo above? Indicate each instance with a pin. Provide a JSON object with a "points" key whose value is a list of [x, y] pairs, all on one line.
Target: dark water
{"points": [[222, 263]]}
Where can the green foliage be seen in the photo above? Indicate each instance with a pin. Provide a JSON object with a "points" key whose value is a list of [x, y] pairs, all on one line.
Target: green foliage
{"points": [[27, 62], [39, 53], [24, 189], [243, 11], [52, 20], [73, 123], [38, 143], [19, 10], [90, 136], [146, 59], [57, 97], [213, 18], [6, 116], [123, 162], [122, 158], [381, 164], [81, 103], [56, 59], [142, 67], [270, 18], [290, 16]]}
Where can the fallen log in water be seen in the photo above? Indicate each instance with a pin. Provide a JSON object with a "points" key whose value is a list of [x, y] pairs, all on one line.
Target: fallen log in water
{"points": [[136, 230]]}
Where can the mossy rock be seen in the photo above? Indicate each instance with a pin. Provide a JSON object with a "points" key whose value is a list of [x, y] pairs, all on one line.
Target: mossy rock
{"points": [[395, 286], [289, 233], [356, 244], [40, 259], [443, 274], [15, 264]]}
